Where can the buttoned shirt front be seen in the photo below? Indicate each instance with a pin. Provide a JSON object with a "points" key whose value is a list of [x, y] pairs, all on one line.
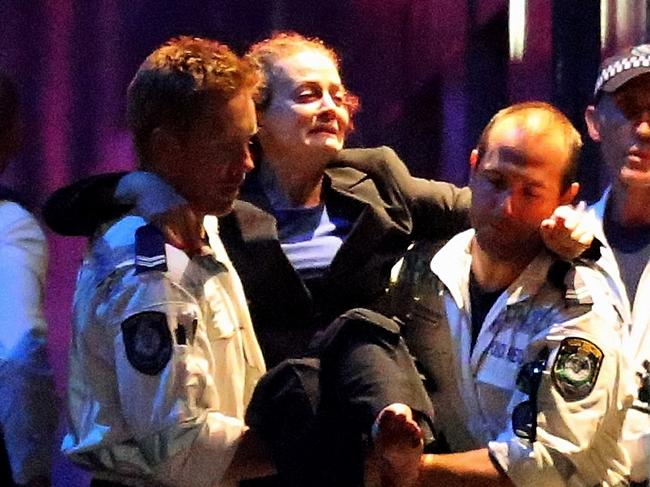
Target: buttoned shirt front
{"points": [[636, 431]]}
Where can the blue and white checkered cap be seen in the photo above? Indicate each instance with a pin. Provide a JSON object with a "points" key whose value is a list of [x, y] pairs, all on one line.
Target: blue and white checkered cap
{"points": [[622, 67]]}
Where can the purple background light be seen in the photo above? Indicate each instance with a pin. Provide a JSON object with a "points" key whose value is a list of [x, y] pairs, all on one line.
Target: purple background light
{"points": [[429, 74]]}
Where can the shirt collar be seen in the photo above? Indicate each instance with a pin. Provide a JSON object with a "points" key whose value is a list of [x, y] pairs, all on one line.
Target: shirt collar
{"points": [[452, 266]]}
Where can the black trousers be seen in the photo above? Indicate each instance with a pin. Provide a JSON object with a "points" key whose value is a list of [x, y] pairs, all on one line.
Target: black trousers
{"points": [[315, 412]]}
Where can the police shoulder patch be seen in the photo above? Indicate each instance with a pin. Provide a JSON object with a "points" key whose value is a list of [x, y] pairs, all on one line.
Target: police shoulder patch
{"points": [[148, 341], [576, 368]]}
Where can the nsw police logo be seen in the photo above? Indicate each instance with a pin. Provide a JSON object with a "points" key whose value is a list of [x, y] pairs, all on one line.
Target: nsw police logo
{"points": [[148, 341], [576, 368]]}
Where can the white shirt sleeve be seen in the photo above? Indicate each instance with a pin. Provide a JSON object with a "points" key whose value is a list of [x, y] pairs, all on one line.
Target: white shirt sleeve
{"points": [[27, 399], [181, 436], [23, 254], [577, 438]]}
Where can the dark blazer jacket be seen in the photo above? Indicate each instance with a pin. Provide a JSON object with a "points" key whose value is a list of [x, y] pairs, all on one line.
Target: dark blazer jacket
{"points": [[371, 188], [388, 210]]}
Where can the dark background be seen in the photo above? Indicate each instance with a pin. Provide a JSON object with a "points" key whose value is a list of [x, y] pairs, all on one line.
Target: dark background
{"points": [[430, 74]]}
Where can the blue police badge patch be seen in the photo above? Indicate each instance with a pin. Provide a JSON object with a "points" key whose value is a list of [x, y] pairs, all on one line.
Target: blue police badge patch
{"points": [[576, 368], [148, 341]]}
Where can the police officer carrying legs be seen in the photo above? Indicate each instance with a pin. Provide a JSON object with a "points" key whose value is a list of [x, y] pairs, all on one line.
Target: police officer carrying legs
{"points": [[522, 352]]}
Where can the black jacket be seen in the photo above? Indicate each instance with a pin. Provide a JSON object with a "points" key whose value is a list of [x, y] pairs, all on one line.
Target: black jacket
{"points": [[369, 187]]}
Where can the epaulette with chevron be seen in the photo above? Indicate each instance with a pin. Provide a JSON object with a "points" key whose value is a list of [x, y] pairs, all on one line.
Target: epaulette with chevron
{"points": [[149, 250], [577, 291]]}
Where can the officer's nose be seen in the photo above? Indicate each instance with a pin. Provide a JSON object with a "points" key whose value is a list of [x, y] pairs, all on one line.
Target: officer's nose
{"points": [[505, 206], [242, 163], [248, 164], [643, 127]]}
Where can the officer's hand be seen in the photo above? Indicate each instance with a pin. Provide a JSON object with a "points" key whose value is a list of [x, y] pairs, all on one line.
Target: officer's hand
{"points": [[158, 202], [569, 231]]}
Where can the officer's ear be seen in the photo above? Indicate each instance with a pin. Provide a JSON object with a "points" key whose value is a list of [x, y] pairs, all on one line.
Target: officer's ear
{"points": [[474, 159], [593, 123]]}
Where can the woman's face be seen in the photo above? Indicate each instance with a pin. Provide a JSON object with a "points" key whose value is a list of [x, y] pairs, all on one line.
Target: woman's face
{"points": [[306, 117]]}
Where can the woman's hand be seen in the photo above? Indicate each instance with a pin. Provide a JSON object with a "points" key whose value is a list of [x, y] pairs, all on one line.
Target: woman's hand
{"points": [[569, 231], [158, 202]]}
